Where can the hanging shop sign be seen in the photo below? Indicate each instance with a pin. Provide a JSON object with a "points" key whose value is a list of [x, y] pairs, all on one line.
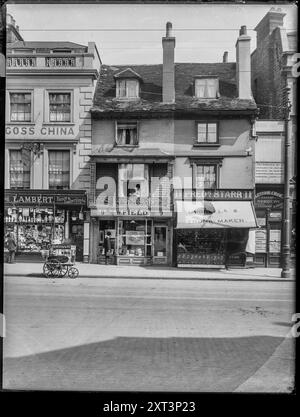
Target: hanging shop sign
{"points": [[217, 194], [44, 198], [268, 199]]}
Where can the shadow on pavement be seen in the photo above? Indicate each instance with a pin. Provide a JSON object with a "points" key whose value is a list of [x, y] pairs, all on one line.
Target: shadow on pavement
{"points": [[143, 364]]}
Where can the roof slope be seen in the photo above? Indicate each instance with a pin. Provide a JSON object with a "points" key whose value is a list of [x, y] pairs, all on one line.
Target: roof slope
{"points": [[151, 89], [46, 45]]}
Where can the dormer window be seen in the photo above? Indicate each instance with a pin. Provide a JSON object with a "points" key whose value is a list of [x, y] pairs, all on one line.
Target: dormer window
{"points": [[127, 84], [127, 88], [207, 87]]}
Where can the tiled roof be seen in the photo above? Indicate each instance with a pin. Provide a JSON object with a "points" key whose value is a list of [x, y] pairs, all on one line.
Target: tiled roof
{"points": [[46, 45], [151, 89]]}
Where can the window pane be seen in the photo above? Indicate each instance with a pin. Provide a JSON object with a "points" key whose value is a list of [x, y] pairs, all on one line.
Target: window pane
{"points": [[132, 88], [201, 132], [211, 132], [59, 107], [211, 88], [200, 88], [206, 176], [20, 107], [59, 169], [19, 169]]}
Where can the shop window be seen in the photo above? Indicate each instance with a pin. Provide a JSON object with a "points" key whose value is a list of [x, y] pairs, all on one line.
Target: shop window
{"points": [[134, 238], [207, 133], [133, 181], [127, 88], [19, 169], [206, 176], [20, 107], [59, 170], [59, 107], [207, 87], [126, 134]]}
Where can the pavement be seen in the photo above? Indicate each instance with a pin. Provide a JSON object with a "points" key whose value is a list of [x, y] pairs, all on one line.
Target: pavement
{"points": [[155, 272]]}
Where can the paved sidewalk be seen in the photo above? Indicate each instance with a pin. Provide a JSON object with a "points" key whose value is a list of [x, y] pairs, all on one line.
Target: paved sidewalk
{"points": [[114, 271]]}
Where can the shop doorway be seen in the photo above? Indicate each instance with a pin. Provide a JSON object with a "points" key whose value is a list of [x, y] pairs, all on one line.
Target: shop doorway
{"points": [[160, 247]]}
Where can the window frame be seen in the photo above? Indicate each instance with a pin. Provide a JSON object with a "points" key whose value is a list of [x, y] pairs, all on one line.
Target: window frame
{"points": [[205, 144], [120, 80], [116, 133], [207, 78], [58, 149], [49, 91], [9, 169], [211, 162], [10, 92]]}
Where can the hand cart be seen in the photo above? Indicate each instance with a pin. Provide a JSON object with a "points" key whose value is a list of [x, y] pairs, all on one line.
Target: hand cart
{"points": [[60, 261]]}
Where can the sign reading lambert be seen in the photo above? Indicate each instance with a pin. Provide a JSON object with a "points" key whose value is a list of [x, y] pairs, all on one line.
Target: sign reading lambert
{"points": [[44, 198]]}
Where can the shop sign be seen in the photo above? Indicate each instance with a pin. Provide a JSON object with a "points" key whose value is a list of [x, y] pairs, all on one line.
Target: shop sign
{"points": [[260, 241], [268, 199], [217, 194], [29, 198], [200, 258], [27, 131], [269, 172]]}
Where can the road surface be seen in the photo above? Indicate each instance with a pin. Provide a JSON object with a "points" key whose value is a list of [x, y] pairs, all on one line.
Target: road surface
{"points": [[146, 335]]}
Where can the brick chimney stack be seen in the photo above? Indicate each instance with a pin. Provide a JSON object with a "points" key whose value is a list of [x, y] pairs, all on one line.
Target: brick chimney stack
{"points": [[243, 64], [168, 82], [272, 20], [225, 57]]}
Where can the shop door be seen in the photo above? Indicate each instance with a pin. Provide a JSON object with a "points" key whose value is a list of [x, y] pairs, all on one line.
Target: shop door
{"points": [[274, 255], [160, 247]]}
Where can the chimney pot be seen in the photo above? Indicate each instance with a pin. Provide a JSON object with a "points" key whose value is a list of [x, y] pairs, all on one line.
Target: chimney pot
{"points": [[243, 30], [169, 30], [225, 56]]}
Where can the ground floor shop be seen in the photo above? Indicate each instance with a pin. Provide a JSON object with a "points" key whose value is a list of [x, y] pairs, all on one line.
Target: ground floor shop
{"points": [[269, 213], [133, 240], [38, 218], [212, 233]]}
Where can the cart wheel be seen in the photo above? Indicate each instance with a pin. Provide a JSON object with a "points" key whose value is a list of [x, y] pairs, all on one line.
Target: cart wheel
{"points": [[51, 268], [63, 269], [73, 272]]}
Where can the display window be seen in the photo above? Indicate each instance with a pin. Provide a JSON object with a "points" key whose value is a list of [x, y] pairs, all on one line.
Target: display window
{"points": [[200, 246], [134, 237]]}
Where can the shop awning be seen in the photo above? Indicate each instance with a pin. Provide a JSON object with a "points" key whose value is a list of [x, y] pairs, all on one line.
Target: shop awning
{"points": [[215, 214]]}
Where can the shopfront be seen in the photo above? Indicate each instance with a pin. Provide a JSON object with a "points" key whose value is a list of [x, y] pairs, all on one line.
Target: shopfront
{"points": [[134, 240], [269, 213], [37, 218], [214, 228]]}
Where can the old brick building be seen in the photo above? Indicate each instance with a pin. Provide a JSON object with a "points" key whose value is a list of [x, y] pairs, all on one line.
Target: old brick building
{"points": [[272, 74], [190, 124]]}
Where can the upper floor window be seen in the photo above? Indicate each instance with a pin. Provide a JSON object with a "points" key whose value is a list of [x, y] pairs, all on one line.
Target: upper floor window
{"points": [[207, 87], [59, 170], [60, 107], [206, 176], [126, 134], [20, 107], [127, 88], [207, 133], [19, 169]]}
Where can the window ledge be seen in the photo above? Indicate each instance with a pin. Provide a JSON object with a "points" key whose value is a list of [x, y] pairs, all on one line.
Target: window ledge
{"points": [[58, 124], [206, 145], [127, 98], [126, 146], [19, 123]]}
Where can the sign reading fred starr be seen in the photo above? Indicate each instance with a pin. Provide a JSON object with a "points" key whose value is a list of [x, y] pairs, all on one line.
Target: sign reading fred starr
{"points": [[25, 131], [217, 194]]}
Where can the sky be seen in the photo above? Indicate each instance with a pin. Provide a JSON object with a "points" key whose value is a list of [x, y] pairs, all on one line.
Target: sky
{"points": [[131, 33]]}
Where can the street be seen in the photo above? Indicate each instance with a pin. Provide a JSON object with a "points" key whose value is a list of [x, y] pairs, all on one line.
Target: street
{"points": [[122, 334]]}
